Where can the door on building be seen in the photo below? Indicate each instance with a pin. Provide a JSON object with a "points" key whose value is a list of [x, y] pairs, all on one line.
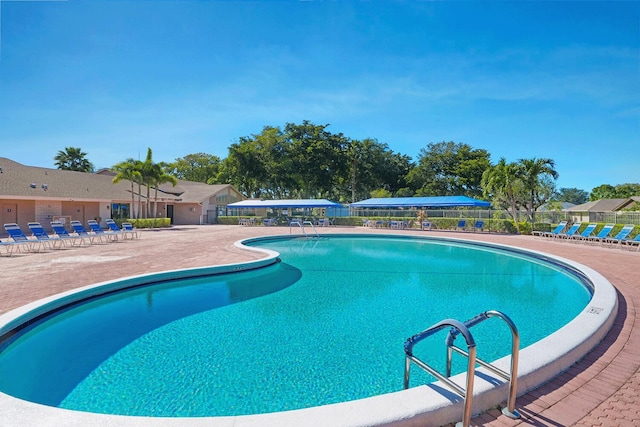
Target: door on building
{"points": [[9, 213], [170, 212], [78, 213]]}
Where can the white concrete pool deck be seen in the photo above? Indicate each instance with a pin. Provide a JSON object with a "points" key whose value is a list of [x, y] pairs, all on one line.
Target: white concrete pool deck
{"points": [[593, 390]]}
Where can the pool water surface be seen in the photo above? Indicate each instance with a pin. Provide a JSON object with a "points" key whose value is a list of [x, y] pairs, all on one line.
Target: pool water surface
{"points": [[326, 324]]}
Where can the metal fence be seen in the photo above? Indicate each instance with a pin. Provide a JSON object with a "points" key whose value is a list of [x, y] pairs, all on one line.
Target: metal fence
{"points": [[620, 217], [551, 217]]}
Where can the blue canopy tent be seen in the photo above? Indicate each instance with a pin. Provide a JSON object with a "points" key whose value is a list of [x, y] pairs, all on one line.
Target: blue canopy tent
{"points": [[285, 204], [420, 202]]}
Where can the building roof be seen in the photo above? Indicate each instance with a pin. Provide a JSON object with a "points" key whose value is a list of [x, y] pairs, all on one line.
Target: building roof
{"points": [[602, 205], [30, 182], [628, 202], [437, 201], [189, 191]]}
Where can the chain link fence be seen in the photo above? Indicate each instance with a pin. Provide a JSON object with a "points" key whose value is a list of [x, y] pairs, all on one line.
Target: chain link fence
{"points": [[550, 217]]}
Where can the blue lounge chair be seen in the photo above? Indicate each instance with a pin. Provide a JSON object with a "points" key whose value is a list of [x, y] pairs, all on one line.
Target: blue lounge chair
{"points": [[63, 234], [18, 236], [38, 231], [129, 229], [10, 246], [570, 232], [551, 233], [98, 231], [603, 234], [632, 242], [586, 233], [618, 238], [81, 231], [113, 227], [462, 225], [478, 225]]}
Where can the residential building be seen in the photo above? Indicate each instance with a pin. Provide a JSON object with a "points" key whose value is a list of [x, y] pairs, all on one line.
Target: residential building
{"points": [[29, 193]]}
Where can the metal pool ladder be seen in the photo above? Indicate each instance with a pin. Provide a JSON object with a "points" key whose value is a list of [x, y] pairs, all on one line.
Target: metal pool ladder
{"points": [[459, 328], [296, 222]]}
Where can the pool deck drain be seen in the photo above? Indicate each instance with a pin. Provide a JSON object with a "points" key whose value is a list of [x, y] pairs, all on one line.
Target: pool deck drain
{"points": [[603, 389]]}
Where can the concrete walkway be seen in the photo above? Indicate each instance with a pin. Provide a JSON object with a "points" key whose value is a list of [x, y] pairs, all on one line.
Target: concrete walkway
{"points": [[601, 390]]}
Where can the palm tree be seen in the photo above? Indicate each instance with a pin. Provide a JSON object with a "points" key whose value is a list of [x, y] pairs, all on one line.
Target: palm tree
{"points": [[534, 174], [148, 172], [128, 170], [153, 174], [503, 181], [73, 159], [158, 177]]}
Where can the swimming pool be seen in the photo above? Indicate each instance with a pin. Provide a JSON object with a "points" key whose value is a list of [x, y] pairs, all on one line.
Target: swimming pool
{"points": [[302, 258]]}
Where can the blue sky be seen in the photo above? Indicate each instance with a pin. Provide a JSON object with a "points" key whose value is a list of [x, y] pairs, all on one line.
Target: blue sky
{"points": [[519, 79]]}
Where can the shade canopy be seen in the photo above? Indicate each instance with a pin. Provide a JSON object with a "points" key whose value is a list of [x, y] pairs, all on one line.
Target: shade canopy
{"points": [[420, 202], [285, 204]]}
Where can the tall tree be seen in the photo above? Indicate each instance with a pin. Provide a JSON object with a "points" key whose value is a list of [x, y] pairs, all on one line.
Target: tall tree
{"points": [[572, 195], [272, 148], [73, 159], [502, 183], [449, 169], [128, 170], [198, 167], [148, 171], [244, 169], [372, 165], [536, 175], [317, 158], [158, 176], [604, 191], [624, 191]]}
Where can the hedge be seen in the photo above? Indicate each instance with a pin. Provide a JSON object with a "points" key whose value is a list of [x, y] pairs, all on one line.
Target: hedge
{"points": [[146, 222]]}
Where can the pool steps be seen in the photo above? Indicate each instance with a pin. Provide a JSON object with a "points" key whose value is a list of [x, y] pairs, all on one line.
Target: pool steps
{"points": [[297, 223], [458, 328]]}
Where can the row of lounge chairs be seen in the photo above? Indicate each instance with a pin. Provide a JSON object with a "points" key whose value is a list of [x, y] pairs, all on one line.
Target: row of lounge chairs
{"points": [[41, 240], [603, 237], [462, 224]]}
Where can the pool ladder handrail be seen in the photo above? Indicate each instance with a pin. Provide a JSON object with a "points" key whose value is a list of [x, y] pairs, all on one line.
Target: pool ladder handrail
{"points": [[297, 222], [458, 328]]}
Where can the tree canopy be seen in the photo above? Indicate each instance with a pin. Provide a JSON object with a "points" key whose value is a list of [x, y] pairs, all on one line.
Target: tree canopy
{"points": [[621, 191], [198, 167], [571, 195], [147, 173], [449, 169], [309, 161], [527, 183], [73, 159]]}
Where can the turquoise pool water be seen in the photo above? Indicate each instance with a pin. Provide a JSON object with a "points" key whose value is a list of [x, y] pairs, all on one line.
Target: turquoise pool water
{"points": [[325, 325]]}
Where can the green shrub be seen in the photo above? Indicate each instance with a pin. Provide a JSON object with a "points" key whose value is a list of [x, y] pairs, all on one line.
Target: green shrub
{"points": [[348, 221], [525, 227], [228, 220], [149, 222]]}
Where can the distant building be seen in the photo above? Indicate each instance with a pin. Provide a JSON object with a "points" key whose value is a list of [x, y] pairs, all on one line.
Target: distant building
{"points": [[29, 193], [597, 210]]}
